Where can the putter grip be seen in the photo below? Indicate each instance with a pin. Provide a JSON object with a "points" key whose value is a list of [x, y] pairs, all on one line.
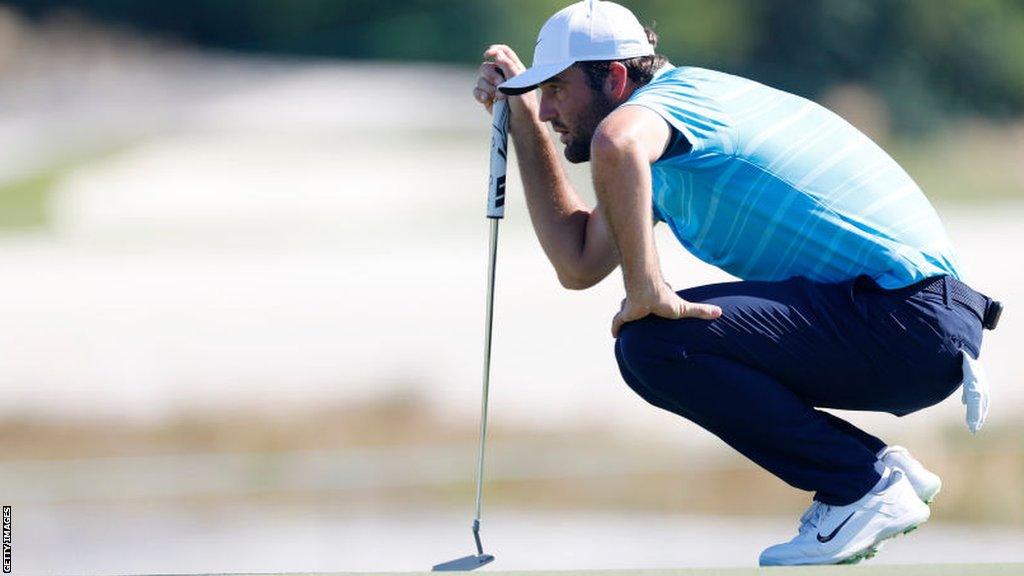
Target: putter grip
{"points": [[499, 160]]}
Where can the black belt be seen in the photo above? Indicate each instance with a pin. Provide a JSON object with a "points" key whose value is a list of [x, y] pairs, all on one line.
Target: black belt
{"points": [[986, 309]]}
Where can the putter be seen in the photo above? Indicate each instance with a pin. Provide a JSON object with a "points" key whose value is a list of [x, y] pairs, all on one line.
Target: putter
{"points": [[495, 212]]}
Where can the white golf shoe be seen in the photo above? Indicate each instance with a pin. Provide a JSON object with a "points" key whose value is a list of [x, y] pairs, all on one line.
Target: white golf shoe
{"points": [[851, 533], [926, 483]]}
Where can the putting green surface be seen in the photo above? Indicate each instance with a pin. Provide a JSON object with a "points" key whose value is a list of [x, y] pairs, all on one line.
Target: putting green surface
{"points": [[882, 570]]}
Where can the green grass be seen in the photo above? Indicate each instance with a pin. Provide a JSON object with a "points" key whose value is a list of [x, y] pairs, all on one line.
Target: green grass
{"points": [[889, 570], [23, 202]]}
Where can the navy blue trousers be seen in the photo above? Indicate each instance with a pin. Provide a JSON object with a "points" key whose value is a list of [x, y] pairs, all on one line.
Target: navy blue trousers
{"points": [[755, 376]]}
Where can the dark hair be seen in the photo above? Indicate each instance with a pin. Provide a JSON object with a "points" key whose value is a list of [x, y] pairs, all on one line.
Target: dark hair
{"points": [[640, 69]]}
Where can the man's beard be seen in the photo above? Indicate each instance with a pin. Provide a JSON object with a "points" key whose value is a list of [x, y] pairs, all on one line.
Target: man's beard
{"points": [[578, 148]]}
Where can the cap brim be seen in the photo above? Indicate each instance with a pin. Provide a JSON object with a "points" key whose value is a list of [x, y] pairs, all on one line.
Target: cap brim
{"points": [[529, 79]]}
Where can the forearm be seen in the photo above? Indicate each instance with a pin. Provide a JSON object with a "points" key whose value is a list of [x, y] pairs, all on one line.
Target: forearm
{"points": [[558, 214], [622, 182]]}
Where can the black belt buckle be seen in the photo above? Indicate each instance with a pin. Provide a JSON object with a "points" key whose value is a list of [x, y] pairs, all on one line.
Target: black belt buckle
{"points": [[992, 313]]}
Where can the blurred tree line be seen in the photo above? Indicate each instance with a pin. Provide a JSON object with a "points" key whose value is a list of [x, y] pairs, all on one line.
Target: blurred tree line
{"points": [[927, 59]]}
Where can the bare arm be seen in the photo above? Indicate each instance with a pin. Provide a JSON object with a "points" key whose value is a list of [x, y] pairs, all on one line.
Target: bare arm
{"points": [[573, 236], [627, 142], [625, 145]]}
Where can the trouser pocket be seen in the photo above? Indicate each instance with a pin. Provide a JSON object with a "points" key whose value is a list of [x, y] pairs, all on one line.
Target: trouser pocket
{"points": [[917, 342]]}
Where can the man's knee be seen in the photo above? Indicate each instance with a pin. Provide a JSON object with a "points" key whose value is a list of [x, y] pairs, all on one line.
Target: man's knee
{"points": [[634, 381], [655, 339], [658, 370], [634, 345], [647, 350]]}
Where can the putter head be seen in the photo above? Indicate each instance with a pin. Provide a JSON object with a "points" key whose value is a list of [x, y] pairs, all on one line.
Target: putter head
{"points": [[464, 564]]}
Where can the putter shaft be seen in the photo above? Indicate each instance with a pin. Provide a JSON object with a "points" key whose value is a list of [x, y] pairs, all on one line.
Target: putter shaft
{"points": [[488, 322]]}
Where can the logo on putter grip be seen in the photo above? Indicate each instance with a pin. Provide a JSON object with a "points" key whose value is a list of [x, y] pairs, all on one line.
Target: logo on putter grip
{"points": [[499, 196]]}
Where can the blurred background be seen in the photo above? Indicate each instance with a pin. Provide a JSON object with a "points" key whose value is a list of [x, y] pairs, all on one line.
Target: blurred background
{"points": [[242, 267]]}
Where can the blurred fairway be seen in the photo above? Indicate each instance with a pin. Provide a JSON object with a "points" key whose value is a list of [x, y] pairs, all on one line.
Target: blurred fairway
{"points": [[376, 453], [900, 570], [977, 164], [973, 163]]}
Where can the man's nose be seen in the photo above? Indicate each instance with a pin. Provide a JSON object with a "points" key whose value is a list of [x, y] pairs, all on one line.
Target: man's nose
{"points": [[547, 111]]}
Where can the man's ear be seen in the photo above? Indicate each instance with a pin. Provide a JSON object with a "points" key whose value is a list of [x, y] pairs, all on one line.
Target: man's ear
{"points": [[616, 84]]}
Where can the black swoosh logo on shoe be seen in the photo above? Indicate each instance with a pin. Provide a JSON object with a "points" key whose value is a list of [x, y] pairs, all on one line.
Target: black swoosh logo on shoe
{"points": [[824, 539]]}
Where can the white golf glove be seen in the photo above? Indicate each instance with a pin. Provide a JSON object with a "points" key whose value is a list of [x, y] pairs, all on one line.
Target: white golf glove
{"points": [[974, 392]]}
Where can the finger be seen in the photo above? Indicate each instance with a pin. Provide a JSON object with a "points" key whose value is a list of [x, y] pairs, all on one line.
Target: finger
{"points": [[507, 67], [483, 98], [493, 49], [703, 311], [506, 53], [488, 82], [485, 86], [506, 60], [489, 70], [629, 313]]}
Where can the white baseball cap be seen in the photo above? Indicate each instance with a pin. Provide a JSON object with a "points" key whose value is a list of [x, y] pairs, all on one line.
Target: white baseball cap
{"points": [[588, 30]]}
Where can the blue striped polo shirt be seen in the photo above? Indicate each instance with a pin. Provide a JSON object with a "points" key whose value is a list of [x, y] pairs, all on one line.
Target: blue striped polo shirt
{"points": [[774, 186]]}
